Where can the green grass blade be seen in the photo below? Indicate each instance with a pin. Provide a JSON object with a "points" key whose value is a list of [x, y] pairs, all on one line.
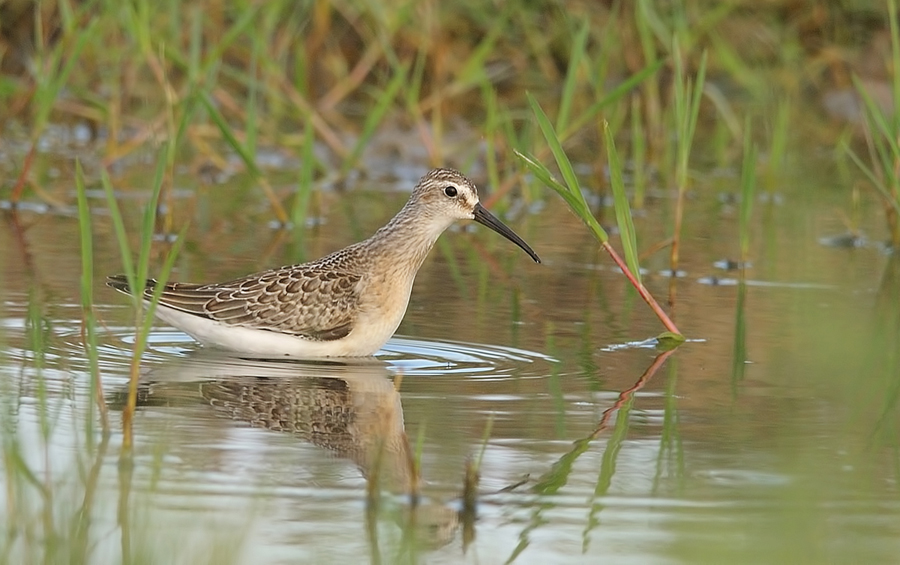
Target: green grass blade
{"points": [[875, 116], [300, 207], [558, 475], [571, 191], [491, 133], [895, 56], [375, 116], [161, 281], [576, 203], [225, 129], [47, 92], [252, 121], [615, 94], [579, 44], [748, 186], [121, 235], [218, 47], [695, 100], [87, 247], [873, 178], [739, 347], [148, 229], [87, 297], [638, 153], [623, 210], [562, 160]]}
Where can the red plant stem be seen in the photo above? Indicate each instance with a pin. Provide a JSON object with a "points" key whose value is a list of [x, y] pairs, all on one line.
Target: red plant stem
{"points": [[645, 294]]}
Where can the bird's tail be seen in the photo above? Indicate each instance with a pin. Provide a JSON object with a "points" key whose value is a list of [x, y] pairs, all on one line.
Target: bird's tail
{"points": [[120, 283]]}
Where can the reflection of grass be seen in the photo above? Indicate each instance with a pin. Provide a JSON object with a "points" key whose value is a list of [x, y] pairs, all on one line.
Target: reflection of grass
{"points": [[556, 478], [60, 503], [58, 507]]}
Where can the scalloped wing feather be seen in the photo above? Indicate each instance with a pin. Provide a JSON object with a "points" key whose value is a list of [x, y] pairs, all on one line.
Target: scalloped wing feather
{"points": [[312, 302]]}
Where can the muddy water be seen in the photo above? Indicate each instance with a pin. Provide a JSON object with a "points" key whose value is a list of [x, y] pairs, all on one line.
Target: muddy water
{"points": [[770, 437]]}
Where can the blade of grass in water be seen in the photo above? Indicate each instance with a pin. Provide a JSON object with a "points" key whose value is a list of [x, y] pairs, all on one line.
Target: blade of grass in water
{"points": [[615, 94], [89, 319], [576, 55], [571, 193], [687, 108], [38, 330], [623, 210], [638, 153], [779, 145], [608, 467], [670, 456], [748, 187], [246, 156], [375, 116], [136, 274], [300, 209]]}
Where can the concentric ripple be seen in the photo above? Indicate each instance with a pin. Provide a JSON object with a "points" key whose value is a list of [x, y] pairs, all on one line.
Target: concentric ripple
{"points": [[410, 356]]}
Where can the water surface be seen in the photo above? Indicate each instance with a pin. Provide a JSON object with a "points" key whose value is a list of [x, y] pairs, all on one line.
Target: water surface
{"points": [[770, 437]]}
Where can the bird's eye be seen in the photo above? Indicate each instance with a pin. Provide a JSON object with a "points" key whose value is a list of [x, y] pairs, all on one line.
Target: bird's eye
{"points": [[450, 191]]}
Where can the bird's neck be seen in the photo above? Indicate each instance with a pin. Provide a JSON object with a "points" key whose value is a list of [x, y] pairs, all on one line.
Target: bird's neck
{"points": [[408, 237]]}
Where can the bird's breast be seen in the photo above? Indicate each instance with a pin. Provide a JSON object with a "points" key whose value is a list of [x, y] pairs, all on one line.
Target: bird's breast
{"points": [[383, 301]]}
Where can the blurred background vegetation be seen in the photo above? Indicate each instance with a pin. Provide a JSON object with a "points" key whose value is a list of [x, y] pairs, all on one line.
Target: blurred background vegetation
{"points": [[340, 89]]}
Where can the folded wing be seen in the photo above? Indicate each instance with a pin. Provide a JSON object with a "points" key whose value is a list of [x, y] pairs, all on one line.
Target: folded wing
{"points": [[313, 303]]}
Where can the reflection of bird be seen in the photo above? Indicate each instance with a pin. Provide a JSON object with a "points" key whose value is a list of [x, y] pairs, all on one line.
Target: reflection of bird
{"points": [[353, 410], [360, 419], [347, 304]]}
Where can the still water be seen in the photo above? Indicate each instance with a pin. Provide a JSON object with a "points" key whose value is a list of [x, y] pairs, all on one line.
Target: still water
{"points": [[770, 437]]}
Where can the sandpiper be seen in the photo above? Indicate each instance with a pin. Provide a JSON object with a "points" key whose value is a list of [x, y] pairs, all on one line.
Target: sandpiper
{"points": [[346, 304]]}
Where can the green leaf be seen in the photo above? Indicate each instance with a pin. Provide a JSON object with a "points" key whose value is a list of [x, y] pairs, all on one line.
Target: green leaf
{"points": [[669, 340], [623, 210], [576, 203], [230, 138]]}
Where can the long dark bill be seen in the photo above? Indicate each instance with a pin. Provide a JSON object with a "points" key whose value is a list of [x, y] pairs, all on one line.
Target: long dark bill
{"points": [[482, 216]]}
